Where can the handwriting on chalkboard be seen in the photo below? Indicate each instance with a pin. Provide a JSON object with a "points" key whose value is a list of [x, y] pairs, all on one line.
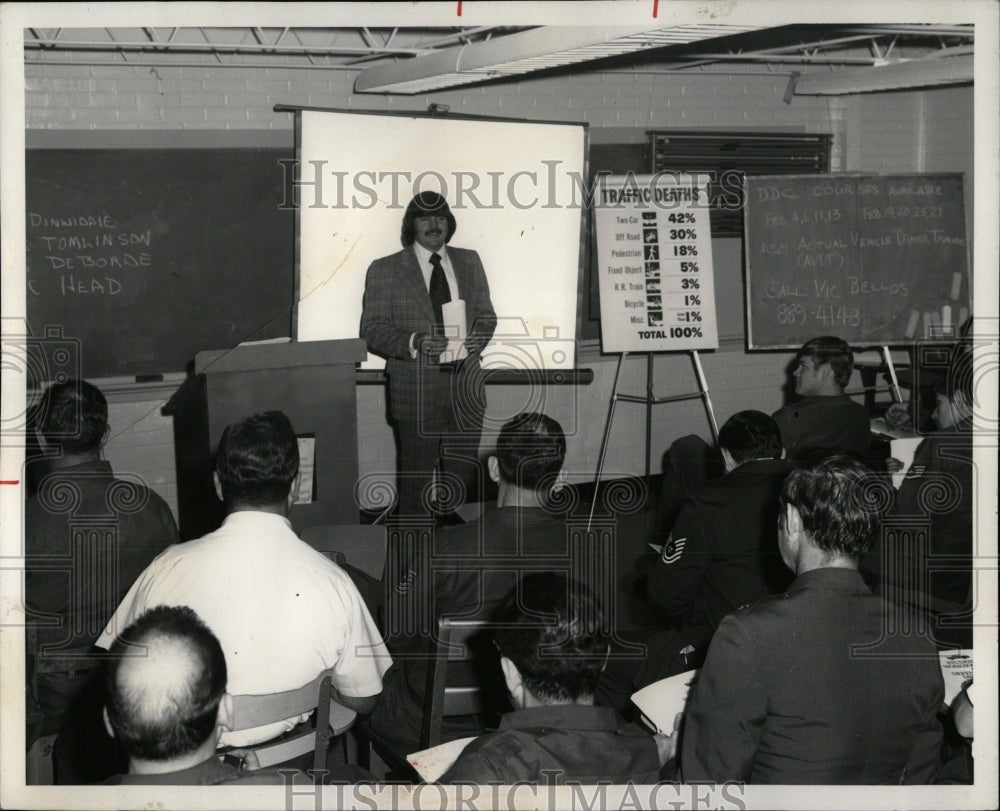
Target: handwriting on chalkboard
{"points": [[77, 254], [855, 255], [142, 256]]}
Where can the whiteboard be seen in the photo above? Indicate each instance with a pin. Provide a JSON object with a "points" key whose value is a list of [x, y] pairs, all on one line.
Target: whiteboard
{"points": [[516, 190]]}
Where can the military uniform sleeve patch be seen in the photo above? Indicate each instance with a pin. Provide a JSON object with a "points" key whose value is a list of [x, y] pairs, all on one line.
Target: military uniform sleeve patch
{"points": [[672, 550]]}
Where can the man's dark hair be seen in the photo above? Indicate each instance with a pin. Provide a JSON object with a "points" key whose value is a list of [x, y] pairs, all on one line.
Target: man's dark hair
{"points": [[832, 350], [751, 435], [426, 204], [531, 449], [74, 416], [552, 629], [959, 376], [258, 460], [840, 500], [174, 712]]}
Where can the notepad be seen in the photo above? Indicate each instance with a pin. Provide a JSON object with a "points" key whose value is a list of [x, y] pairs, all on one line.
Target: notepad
{"points": [[903, 449], [956, 669], [660, 701], [434, 762], [453, 314]]}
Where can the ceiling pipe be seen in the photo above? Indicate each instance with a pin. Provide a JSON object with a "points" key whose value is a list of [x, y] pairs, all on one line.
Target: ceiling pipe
{"points": [[528, 51]]}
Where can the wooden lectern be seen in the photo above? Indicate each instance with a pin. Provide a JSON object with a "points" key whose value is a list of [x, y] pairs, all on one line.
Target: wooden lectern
{"points": [[312, 382]]}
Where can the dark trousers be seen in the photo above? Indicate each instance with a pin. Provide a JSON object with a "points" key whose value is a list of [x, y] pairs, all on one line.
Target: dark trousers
{"points": [[449, 442], [84, 751]]}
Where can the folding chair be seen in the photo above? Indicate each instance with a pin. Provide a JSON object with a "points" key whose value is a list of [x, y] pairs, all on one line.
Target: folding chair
{"points": [[456, 686], [452, 687], [329, 721]]}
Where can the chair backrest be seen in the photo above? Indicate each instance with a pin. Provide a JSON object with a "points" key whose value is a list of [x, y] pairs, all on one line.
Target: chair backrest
{"points": [[67, 660], [257, 710], [362, 545], [451, 688]]}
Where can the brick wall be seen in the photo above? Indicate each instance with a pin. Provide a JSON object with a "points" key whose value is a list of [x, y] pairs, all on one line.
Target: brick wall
{"points": [[914, 131], [79, 97]]}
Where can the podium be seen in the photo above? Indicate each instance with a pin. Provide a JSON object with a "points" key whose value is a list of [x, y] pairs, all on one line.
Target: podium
{"points": [[311, 382]]}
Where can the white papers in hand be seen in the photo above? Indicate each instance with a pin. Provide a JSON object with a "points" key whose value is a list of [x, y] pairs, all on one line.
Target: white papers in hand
{"points": [[434, 762], [903, 450], [453, 314], [662, 700], [956, 669]]}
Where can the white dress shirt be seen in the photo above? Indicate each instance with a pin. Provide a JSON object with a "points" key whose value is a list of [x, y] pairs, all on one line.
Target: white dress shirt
{"points": [[282, 612], [424, 260]]}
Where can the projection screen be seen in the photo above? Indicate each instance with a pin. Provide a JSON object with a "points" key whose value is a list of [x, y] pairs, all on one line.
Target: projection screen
{"points": [[516, 189]]}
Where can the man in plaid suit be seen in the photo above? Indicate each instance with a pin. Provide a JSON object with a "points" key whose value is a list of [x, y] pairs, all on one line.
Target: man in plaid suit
{"points": [[437, 401]]}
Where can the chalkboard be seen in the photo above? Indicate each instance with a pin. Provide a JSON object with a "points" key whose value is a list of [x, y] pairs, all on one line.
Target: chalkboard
{"points": [[148, 256], [874, 259]]}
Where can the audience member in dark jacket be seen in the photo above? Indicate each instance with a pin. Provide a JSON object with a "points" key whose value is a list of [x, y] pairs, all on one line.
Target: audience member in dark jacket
{"points": [[87, 536], [467, 571], [817, 686], [553, 642]]}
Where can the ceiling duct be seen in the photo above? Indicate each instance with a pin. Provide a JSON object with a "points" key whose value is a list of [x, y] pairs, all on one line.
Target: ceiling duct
{"points": [[916, 73], [526, 52]]}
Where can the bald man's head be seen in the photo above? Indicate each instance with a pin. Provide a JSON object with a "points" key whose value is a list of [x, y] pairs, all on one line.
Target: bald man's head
{"points": [[165, 680]]}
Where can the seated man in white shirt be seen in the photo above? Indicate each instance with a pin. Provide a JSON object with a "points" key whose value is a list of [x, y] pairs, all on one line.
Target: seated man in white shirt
{"points": [[282, 611]]}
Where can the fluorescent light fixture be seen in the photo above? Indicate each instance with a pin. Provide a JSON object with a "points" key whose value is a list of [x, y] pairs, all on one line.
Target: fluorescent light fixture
{"points": [[528, 51], [915, 73]]}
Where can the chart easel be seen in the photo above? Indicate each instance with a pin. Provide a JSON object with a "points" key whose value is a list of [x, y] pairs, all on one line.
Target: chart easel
{"points": [[655, 276], [650, 399]]}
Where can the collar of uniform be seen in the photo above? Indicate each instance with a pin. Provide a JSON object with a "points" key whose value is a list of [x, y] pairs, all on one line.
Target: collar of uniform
{"points": [[254, 518], [424, 255], [90, 466], [757, 467], [208, 772], [562, 716], [515, 516], [830, 577]]}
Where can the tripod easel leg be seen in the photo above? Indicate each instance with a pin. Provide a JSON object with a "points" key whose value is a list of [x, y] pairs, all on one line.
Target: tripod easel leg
{"points": [[892, 374], [607, 436], [699, 372]]}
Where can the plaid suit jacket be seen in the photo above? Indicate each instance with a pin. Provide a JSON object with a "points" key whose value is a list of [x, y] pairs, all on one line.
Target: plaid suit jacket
{"points": [[396, 305]]}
